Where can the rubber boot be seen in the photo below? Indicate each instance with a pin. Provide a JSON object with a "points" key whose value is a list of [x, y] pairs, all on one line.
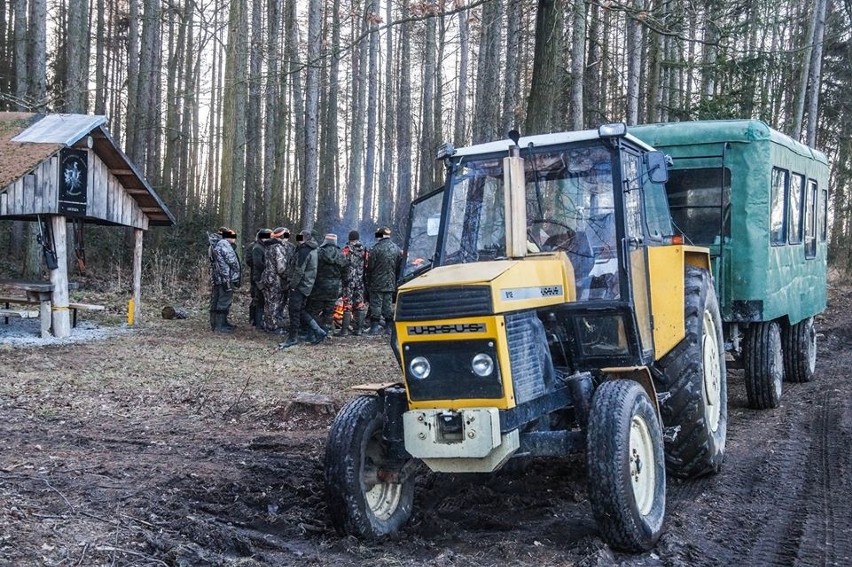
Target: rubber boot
{"points": [[344, 327], [388, 326], [225, 322], [221, 323], [375, 329], [212, 320], [258, 318], [253, 315], [319, 333], [292, 340], [359, 322]]}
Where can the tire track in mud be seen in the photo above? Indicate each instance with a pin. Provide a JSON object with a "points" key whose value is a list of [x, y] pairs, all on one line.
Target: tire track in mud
{"points": [[801, 528]]}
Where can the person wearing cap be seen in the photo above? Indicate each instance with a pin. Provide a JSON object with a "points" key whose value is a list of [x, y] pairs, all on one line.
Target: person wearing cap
{"points": [[353, 285], [331, 269], [225, 275], [279, 249], [301, 274], [382, 264], [255, 254]]}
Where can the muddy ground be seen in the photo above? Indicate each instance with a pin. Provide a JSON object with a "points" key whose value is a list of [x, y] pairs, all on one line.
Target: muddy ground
{"points": [[169, 445]]}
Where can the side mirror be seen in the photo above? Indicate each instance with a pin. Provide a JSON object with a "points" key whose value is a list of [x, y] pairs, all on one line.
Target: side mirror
{"points": [[657, 166]]}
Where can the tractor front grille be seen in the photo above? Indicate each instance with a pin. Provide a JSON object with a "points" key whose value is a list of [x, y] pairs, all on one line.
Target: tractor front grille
{"points": [[529, 358], [443, 303]]}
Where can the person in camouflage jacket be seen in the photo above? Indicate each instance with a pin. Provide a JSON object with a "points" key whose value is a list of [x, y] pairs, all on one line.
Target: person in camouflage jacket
{"points": [[279, 249], [331, 269], [382, 265], [225, 275], [255, 259], [354, 285]]}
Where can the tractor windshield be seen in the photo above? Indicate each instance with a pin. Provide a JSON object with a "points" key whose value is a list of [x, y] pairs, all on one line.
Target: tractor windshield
{"points": [[569, 206]]}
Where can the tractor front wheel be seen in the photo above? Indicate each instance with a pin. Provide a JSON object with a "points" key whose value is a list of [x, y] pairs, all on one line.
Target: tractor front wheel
{"points": [[365, 497], [626, 466]]}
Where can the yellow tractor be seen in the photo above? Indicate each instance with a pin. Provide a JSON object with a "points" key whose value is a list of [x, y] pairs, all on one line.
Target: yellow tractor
{"points": [[549, 308]]}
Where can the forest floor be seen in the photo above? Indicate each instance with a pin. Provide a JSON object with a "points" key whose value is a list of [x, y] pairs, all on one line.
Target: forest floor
{"points": [[169, 445]]}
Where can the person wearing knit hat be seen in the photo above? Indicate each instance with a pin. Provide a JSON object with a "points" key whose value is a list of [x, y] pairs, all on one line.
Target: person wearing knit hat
{"points": [[255, 254], [301, 275], [331, 268], [279, 250], [353, 285], [225, 275], [382, 266]]}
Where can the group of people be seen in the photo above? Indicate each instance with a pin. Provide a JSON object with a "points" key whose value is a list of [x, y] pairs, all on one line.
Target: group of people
{"points": [[295, 287]]}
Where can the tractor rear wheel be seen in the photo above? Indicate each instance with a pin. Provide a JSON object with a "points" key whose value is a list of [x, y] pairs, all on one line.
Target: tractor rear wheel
{"points": [[694, 376], [626, 466], [800, 350], [764, 365], [362, 500]]}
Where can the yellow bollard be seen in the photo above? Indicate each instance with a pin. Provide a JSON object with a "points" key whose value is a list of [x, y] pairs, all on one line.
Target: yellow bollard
{"points": [[131, 312]]}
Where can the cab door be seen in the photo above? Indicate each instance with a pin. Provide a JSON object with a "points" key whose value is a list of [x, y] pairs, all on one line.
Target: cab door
{"points": [[635, 247]]}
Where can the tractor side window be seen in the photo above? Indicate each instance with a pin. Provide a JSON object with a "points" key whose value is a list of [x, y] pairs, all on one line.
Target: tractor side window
{"points": [[632, 197], [425, 223], [777, 206], [796, 208], [810, 219], [657, 217], [698, 199]]}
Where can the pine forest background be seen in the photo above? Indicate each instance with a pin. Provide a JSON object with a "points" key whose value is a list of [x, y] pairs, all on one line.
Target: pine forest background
{"points": [[325, 114]]}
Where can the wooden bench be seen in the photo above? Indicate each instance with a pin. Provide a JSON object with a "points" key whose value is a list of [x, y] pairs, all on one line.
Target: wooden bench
{"points": [[84, 307], [22, 313], [73, 306]]}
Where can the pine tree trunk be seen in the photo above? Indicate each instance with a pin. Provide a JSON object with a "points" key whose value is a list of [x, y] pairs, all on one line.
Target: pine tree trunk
{"points": [[547, 79]]}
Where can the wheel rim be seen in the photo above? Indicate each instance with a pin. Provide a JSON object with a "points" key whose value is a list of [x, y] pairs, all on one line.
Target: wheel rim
{"points": [[382, 498], [642, 473], [712, 374]]}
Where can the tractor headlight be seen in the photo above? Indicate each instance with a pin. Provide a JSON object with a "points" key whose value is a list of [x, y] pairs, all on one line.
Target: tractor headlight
{"points": [[419, 367], [482, 365]]}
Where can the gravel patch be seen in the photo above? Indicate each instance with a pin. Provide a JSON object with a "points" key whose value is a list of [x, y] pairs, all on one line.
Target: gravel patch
{"points": [[27, 333]]}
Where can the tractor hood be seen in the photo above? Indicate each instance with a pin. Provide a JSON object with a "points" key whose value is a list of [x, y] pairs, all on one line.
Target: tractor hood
{"points": [[507, 285]]}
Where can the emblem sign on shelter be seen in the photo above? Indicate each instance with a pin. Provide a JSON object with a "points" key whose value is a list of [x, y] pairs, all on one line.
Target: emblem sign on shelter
{"points": [[73, 181]]}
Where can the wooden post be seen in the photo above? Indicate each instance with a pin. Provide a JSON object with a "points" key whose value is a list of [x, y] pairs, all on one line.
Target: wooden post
{"points": [[137, 273], [59, 279]]}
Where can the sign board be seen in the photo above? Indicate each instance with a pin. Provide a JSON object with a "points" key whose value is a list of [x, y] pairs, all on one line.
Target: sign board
{"points": [[73, 181]]}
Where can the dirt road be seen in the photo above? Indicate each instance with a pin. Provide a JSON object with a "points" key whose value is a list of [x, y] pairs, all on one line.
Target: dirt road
{"points": [[171, 446]]}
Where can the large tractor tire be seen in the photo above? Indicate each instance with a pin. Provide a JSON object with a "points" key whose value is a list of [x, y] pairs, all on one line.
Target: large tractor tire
{"points": [[626, 466], [694, 375], [359, 502], [800, 350], [764, 365]]}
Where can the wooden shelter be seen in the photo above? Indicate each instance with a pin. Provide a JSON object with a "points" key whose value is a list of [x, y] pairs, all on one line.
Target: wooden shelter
{"points": [[67, 166]]}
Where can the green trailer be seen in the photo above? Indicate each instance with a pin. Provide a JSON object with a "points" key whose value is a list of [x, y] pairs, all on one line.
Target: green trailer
{"points": [[758, 199]]}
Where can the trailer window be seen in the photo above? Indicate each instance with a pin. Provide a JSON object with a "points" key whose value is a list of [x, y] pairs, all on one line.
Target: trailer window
{"points": [[697, 199], [795, 210], [810, 219], [823, 217], [777, 205]]}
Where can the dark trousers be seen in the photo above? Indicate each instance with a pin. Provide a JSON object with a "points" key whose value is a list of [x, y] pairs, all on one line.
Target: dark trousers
{"points": [[298, 313], [221, 298], [381, 305]]}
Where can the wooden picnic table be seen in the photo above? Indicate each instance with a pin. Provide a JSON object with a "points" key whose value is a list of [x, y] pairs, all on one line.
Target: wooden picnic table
{"points": [[37, 292]]}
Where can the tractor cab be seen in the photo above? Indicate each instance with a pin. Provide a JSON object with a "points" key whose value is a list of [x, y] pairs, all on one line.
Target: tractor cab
{"points": [[578, 193]]}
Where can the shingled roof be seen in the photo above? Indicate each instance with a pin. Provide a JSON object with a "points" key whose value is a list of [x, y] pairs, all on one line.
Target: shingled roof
{"points": [[28, 139]]}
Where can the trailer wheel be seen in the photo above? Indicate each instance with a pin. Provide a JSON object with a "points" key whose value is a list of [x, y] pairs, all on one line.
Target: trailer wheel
{"points": [[626, 466], [359, 502], [764, 365], [800, 350], [695, 377]]}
